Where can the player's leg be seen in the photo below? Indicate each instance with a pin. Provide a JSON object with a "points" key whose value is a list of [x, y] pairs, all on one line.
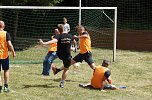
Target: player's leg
{"points": [[51, 58], [73, 61], [56, 70], [77, 58], [85, 85], [88, 58], [5, 67], [66, 63], [0, 79], [64, 76], [45, 62], [110, 87], [6, 80]]}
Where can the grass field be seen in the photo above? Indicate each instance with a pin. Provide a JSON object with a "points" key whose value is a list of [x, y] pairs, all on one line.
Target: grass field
{"points": [[132, 69]]}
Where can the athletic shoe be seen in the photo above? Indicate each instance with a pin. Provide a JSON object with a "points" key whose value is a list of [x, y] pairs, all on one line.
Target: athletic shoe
{"points": [[1, 91], [45, 74], [62, 84], [75, 50], [6, 89], [54, 69]]}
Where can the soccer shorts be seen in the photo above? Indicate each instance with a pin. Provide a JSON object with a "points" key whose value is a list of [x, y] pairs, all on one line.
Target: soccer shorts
{"points": [[4, 63], [86, 56]]}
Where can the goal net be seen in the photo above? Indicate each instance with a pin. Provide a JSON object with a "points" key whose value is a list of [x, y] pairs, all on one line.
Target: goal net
{"points": [[28, 24]]}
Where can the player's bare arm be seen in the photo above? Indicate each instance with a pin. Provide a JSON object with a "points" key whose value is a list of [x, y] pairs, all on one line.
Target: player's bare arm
{"points": [[48, 42], [11, 48], [81, 36]]}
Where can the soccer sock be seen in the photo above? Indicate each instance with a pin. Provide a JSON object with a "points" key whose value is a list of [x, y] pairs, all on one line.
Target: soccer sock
{"points": [[0, 87], [62, 81], [57, 70], [6, 85]]}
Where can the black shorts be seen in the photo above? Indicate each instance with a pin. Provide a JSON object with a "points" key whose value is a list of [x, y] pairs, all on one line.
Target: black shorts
{"points": [[4, 63], [67, 62], [86, 56]]}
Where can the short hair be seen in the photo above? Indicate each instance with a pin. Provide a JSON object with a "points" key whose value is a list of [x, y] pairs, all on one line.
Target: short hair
{"points": [[2, 24], [105, 63], [65, 19], [80, 27], [60, 28], [56, 31]]}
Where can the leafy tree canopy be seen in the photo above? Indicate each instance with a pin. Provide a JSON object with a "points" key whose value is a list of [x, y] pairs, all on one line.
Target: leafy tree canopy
{"points": [[29, 2]]}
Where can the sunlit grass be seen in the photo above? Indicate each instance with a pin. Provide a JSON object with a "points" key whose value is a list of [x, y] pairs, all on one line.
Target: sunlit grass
{"points": [[132, 69]]}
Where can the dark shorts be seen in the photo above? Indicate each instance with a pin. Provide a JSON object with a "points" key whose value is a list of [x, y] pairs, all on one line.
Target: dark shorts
{"points": [[67, 62], [4, 63], [86, 56]]}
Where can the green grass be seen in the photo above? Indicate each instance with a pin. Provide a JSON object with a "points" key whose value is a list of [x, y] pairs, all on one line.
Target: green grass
{"points": [[132, 69]]}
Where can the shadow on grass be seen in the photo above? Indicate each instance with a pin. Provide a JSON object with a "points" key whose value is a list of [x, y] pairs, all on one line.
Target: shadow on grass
{"points": [[35, 74], [40, 86], [59, 79]]}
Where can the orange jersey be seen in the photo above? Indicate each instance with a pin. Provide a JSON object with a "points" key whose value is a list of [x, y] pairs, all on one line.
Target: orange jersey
{"points": [[3, 45], [85, 44], [98, 76], [53, 47]]}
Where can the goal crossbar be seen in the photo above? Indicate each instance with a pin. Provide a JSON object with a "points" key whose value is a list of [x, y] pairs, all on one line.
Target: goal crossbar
{"points": [[49, 7]]}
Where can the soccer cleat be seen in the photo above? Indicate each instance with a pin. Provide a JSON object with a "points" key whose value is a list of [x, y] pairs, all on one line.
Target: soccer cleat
{"points": [[75, 50], [6, 89], [62, 84], [81, 85], [1, 91]]}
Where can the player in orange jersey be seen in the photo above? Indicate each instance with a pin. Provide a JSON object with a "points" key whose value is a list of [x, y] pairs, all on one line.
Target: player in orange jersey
{"points": [[101, 76], [51, 55], [85, 49], [5, 43]]}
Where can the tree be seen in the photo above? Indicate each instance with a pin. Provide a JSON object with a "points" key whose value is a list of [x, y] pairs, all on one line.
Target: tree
{"points": [[30, 2], [25, 3]]}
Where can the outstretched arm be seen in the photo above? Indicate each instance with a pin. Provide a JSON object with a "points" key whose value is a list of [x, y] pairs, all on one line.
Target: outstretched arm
{"points": [[48, 42], [109, 80], [81, 36]]}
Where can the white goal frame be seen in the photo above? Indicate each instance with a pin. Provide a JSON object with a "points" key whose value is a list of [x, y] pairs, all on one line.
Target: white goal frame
{"points": [[79, 8]]}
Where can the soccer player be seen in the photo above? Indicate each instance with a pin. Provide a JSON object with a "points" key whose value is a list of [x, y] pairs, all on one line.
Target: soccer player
{"points": [[101, 75], [51, 55], [85, 49], [5, 43], [64, 41]]}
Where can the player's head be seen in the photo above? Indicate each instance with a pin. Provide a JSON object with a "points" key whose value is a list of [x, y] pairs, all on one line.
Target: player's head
{"points": [[80, 29], [2, 25], [105, 63], [65, 20], [56, 31], [60, 28]]}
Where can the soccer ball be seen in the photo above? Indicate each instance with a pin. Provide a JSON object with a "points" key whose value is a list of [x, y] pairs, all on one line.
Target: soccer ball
{"points": [[76, 65]]}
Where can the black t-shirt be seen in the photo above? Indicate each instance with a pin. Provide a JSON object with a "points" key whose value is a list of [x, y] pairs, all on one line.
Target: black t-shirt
{"points": [[8, 37], [64, 45]]}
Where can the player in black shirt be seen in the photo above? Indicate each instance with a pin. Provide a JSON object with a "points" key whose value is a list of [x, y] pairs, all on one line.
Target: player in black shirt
{"points": [[64, 41]]}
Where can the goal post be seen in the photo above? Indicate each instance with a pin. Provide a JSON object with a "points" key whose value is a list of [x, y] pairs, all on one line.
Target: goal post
{"points": [[33, 22]]}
